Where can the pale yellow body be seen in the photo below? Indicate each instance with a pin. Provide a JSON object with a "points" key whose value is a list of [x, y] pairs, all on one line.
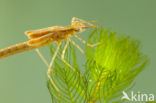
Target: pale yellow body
{"points": [[46, 36], [42, 37], [18, 48]]}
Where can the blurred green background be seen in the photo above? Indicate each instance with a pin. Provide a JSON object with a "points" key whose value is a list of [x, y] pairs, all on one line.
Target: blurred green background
{"points": [[23, 76]]}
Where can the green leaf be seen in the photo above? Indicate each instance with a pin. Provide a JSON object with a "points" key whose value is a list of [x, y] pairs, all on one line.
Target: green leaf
{"points": [[110, 68]]}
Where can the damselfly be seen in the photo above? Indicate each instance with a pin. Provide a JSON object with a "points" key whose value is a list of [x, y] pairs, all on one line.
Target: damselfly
{"points": [[42, 37]]}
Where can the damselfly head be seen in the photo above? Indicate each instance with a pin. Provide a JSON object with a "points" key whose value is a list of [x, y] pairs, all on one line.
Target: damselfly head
{"points": [[81, 25]]}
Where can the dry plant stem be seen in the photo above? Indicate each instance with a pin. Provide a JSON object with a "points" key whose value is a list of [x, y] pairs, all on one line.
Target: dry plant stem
{"points": [[50, 65], [84, 42], [77, 47]]}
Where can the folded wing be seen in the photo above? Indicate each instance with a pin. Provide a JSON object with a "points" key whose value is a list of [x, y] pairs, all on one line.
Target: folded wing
{"points": [[40, 40], [41, 32]]}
